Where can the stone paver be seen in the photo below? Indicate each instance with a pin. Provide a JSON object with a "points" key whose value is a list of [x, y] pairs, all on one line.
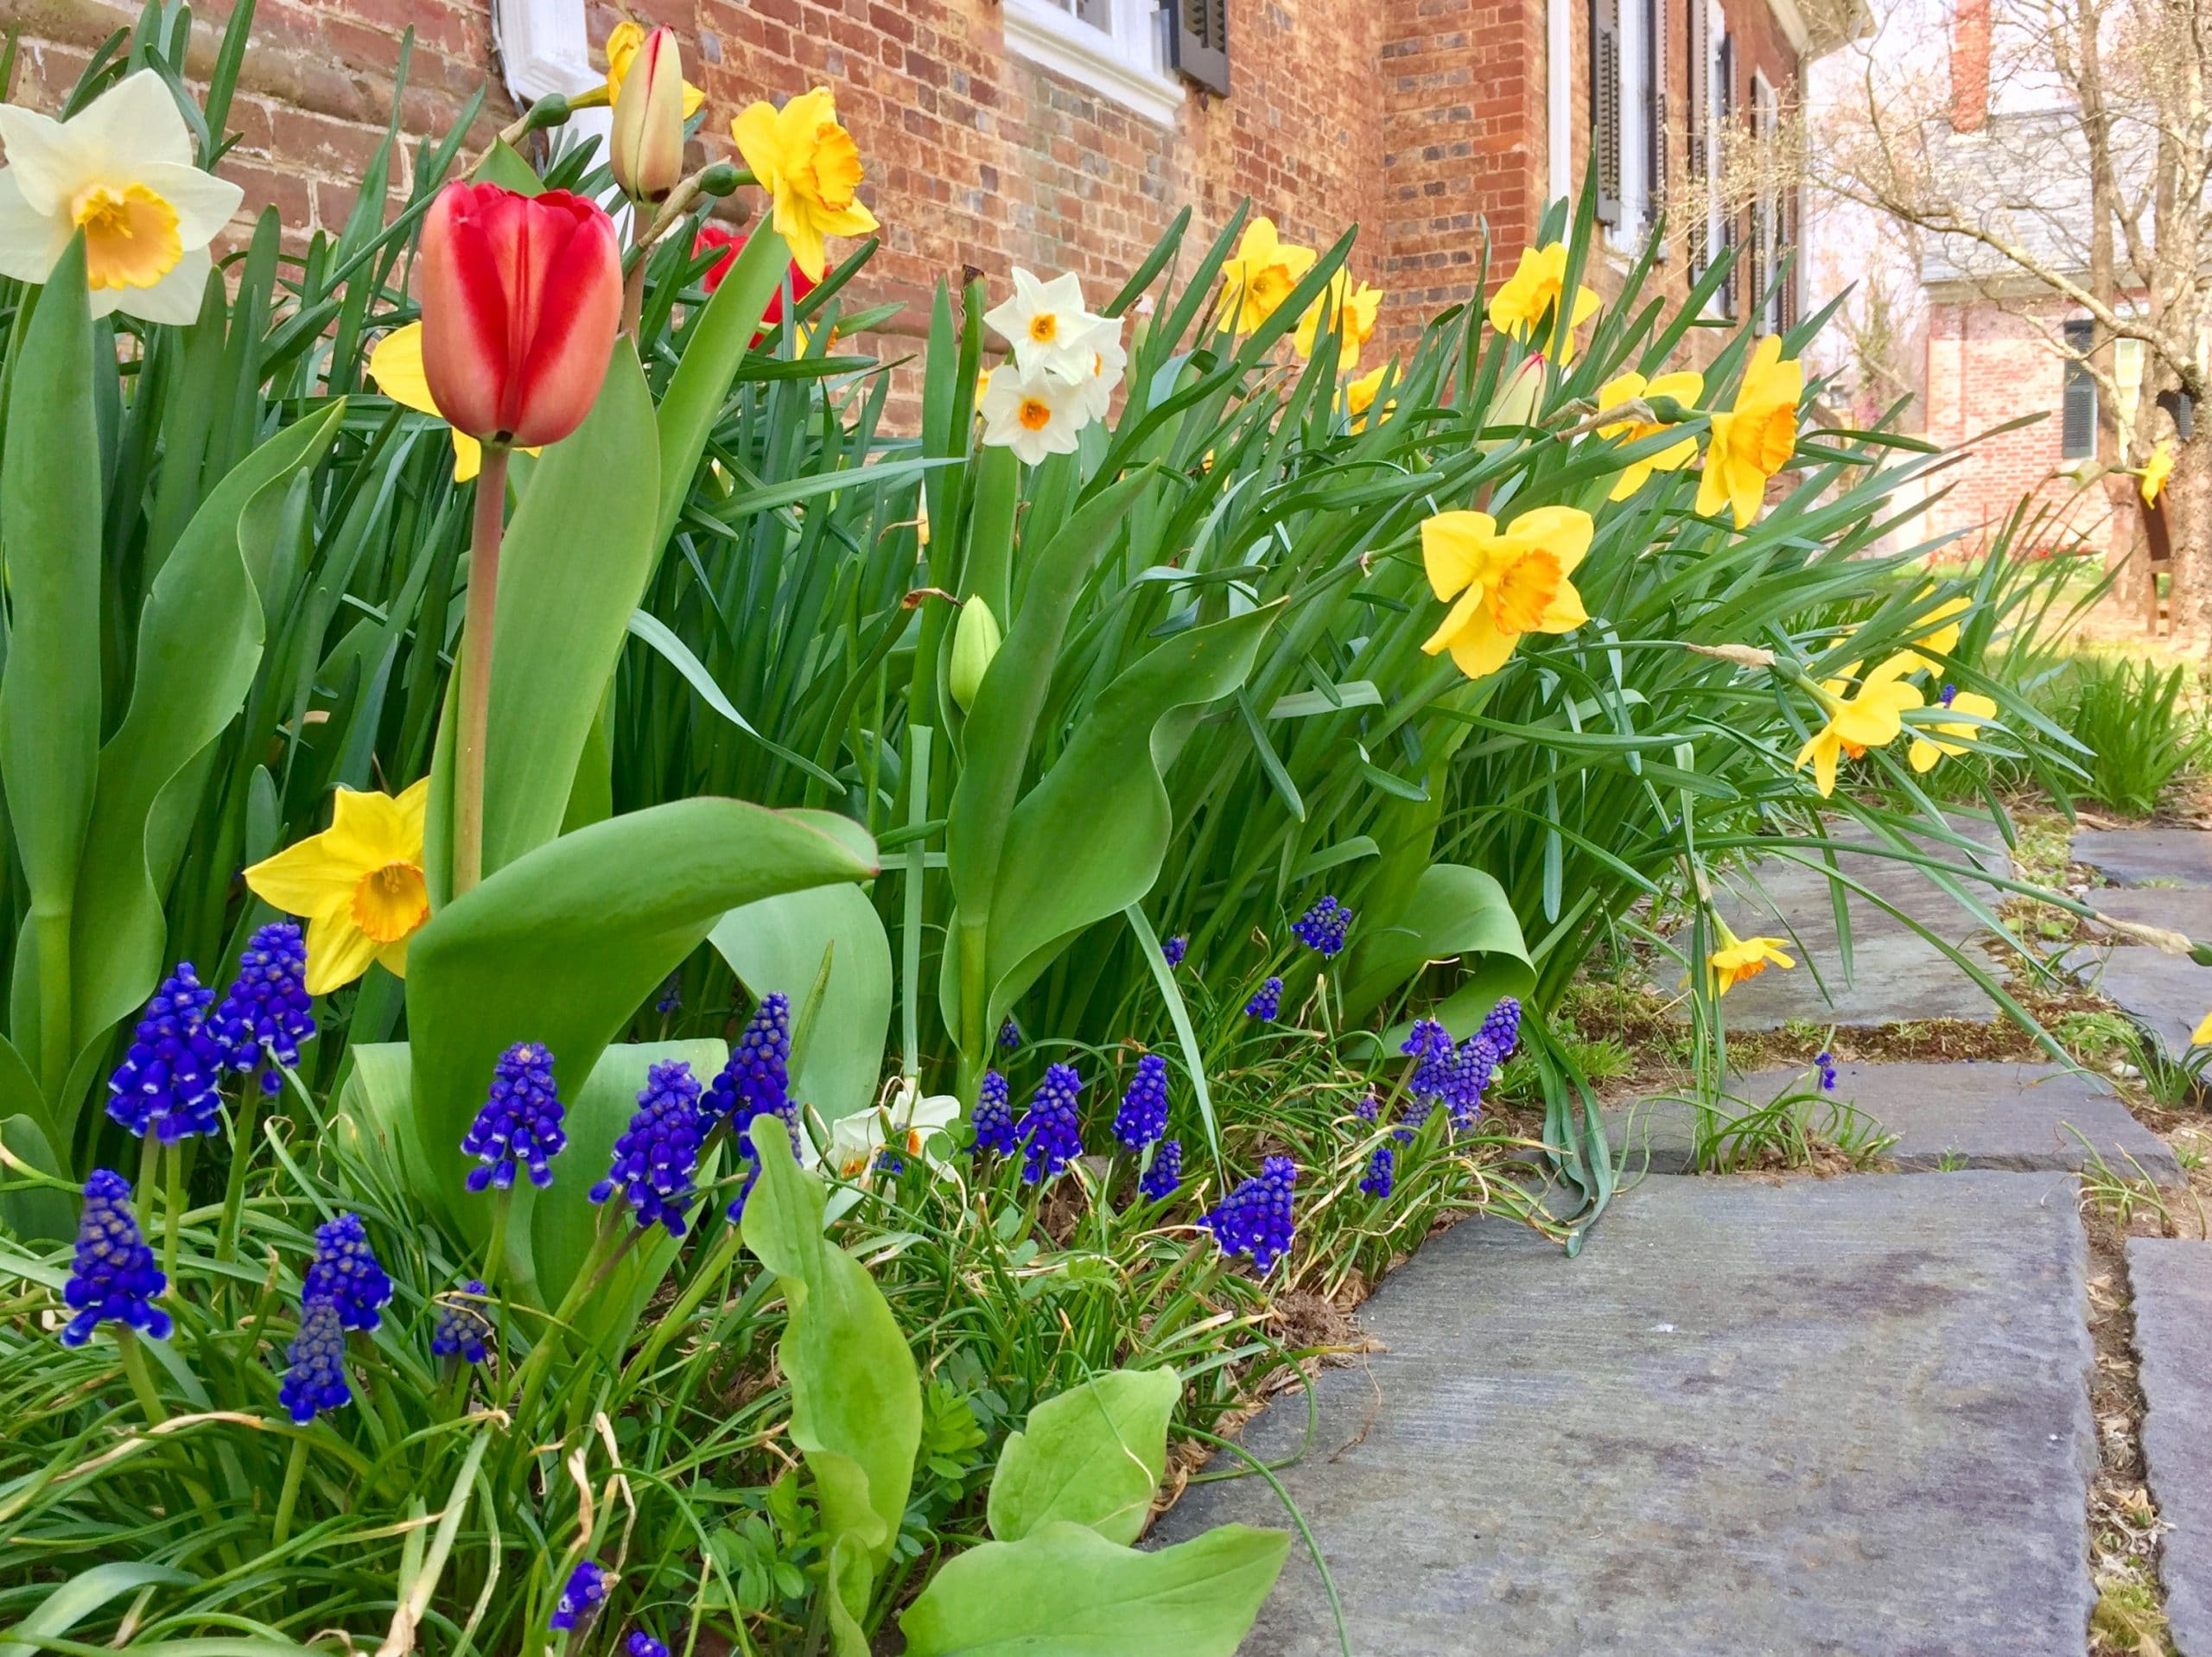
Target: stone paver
{"points": [[1897, 975], [1965, 1116], [2141, 857], [1804, 1417], [2186, 909], [2167, 995], [2171, 1281]]}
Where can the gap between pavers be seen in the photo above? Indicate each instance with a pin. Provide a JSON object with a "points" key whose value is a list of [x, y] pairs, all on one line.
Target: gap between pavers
{"points": [[1970, 1114], [2170, 1282], [1789, 1418], [2165, 996]]}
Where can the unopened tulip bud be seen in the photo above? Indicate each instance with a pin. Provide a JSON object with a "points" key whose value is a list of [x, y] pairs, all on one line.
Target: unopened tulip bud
{"points": [[975, 641], [1516, 401], [646, 151]]}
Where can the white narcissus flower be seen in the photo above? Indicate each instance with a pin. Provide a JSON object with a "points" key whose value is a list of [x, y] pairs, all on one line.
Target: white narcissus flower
{"points": [[906, 1125], [1107, 360], [1050, 331], [1034, 415], [121, 170]]}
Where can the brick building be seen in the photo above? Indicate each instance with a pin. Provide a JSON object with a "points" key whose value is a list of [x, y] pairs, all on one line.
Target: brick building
{"points": [[1064, 134]]}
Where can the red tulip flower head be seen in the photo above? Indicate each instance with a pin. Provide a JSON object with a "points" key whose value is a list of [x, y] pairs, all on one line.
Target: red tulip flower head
{"points": [[714, 236], [521, 298]]}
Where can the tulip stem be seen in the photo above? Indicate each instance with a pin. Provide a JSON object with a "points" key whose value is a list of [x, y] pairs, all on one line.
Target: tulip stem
{"points": [[476, 667]]}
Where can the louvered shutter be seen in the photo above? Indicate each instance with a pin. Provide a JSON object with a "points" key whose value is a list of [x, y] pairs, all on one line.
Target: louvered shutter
{"points": [[1605, 107], [1698, 87], [1659, 59], [1790, 261], [1724, 111], [1199, 37], [2078, 437]]}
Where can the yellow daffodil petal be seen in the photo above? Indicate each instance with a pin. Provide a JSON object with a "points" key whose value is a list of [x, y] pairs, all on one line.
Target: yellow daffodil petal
{"points": [[1452, 549], [2202, 1033], [1480, 648], [396, 365], [338, 953]]}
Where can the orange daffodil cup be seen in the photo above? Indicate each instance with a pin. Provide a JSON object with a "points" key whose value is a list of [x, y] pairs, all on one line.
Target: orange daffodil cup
{"points": [[1502, 583], [1737, 959]]}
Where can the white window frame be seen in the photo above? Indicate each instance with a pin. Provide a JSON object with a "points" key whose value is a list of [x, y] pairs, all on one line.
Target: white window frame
{"points": [[1716, 228], [1559, 90], [543, 49], [1126, 63], [1766, 127], [1635, 127]]}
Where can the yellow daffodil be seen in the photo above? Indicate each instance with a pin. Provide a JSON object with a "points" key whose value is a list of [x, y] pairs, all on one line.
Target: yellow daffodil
{"points": [[1355, 311], [1940, 626], [1753, 441], [1255, 282], [2156, 471], [1738, 959], [359, 883], [812, 168], [121, 171], [396, 365], [1532, 292], [1360, 394], [1871, 718], [622, 44], [1507, 582], [1929, 744], [2201, 1036], [1685, 388]]}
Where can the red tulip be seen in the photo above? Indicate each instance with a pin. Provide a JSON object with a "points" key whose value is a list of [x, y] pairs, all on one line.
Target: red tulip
{"points": [[521, 297], [717, 236]]}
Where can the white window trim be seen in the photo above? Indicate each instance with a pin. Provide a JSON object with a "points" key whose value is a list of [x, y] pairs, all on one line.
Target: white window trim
{"points": [[1716, 27], [543, 49], [1559, 89], [1766, 124], [1629, 232], [1123, 64]]}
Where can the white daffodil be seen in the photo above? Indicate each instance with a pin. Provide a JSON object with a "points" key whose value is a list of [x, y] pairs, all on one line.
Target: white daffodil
{"points": [[121, 171], [1048, 328], [1034, 415], [904, 1125], [1107, 360]]}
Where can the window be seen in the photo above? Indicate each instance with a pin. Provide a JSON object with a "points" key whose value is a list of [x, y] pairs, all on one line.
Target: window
{"points": [[2077, 433], [1763, 256], [1115, 47], [1606, 108], [1625, 103], [1722, 227]]}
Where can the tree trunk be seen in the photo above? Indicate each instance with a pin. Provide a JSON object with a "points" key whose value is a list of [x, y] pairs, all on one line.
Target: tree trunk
{"points": [[2187, 498]]}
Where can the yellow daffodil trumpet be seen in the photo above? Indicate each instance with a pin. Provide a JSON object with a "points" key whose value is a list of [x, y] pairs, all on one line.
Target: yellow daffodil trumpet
{"points": [[1354, 311], [359, 885], [1260, 276], [1502, 583], [811, 166], [1755, 439], [1737, 959], [2156, 471]]}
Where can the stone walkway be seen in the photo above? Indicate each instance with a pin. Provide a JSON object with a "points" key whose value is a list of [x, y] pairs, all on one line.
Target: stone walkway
{"points": [[1764, 1416], [2163, 877]]}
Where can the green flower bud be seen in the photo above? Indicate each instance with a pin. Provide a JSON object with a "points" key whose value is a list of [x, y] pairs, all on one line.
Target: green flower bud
{"points": [[974, 642]]}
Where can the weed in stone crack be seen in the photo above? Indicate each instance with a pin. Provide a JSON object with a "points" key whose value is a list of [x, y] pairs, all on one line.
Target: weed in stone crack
{"points": [[2128, 1621]]}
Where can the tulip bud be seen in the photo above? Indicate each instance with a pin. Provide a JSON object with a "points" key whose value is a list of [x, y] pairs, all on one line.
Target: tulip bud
{"points": [[646, 151], [974, 642], [1516, 401], [521, 296]]}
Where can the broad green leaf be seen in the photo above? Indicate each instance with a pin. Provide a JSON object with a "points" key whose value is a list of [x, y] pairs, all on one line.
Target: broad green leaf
{"points": [[779, 943], [1093, 1456], [375, 1115], [856, 1400], [50, 513], [35, 1213], [562, 946], [85, 1593], [1455, 911], [1067, 1591]]}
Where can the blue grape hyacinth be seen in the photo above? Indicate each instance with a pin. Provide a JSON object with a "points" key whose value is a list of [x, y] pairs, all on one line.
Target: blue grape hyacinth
{"points": [[1461, 1080], [1174, 950], [1428, 1039], [671, 996], [1257, 1218], [1160, 1181], [167, 1083], [641, 1644], [1501, 1029], [1369, 1108], [1324, 926], [759, 1074], [113, 1277], [580, 1597], [346, 1272], [1267, 1002], [1010, 1036], [1052, 1133], [1825, 1063], [1143, 1115], [520, 1123], [1382, 1173], [267, 1012], [461, 1330], [994, 1126], [655, 1158], [315, 1364]]}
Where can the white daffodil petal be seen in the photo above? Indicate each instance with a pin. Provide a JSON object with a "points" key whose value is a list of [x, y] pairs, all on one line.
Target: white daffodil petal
{"points": [[134, 124], [203, 203], [30, 241], [46, 165], [174, 298]]}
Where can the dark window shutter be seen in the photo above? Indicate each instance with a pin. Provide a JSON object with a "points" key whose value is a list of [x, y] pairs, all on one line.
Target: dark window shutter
{"points": [[1198, 38], [1790, 258], [2077, 434], [1723, 112], [1656, 59], [1698, 84], [1606, 108]]}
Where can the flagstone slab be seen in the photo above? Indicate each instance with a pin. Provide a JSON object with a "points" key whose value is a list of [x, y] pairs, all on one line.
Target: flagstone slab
{"points": [[1799, 1419], [1944, 1116], [2171, 1279], [2143, 857], [2186, 909], [2167, 995]]}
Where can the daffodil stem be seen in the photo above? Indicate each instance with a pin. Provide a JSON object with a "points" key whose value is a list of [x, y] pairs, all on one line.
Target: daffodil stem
{"points": [[279, 1529], [476, 669]]}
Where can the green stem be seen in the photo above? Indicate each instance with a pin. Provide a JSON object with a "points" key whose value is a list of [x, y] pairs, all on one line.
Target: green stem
{"points": [[289, 1498], [495, 1253], [172, 1212], [709, 1273], [476, 667], [243, 1126], [141, 1378]]}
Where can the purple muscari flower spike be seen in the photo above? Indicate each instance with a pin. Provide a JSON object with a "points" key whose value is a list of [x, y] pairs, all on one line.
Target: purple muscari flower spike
{"points": [[113, 1277], [1368, 1109], [344, 1271], [1010, 1036], [1267, 1003], [520, 1121], [1051, 1132], [1159, 1181], [671, 996], [1501, 1029], [1950, 691], [1323, 927], [1174, 950], [1826, 1062], [315, 1364], [655, 1158], [994, 1128], [166, 1084], [461, 1329], [1256, 1219], [759, 1075], [267, 1012], [1143, 1115], [1428, 1039], [641, 1644], [581, 1599], [1382, 1173], [1460, 1080]]}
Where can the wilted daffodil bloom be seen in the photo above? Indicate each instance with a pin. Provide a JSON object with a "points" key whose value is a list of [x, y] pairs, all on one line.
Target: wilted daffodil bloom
{"points": [[1738, 959], [1048, 328], [1507, 582], [359, 883], [1355, 310], [1753, 441], [1684, 389], [811, 165], [121, 171], [1261, 275], [623, 42], [2156, 471], [1932, 742], [646, 149], [1532, 292], [1870, 718]]}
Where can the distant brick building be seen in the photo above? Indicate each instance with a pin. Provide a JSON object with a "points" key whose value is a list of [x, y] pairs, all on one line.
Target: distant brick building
{"points": [[1064, 134]]}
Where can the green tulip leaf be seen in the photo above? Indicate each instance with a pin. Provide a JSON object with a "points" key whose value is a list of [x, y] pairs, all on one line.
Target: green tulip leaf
{"points": [[779, 944], [1454, 911], [1068, 1591], [1093, 1456]]}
